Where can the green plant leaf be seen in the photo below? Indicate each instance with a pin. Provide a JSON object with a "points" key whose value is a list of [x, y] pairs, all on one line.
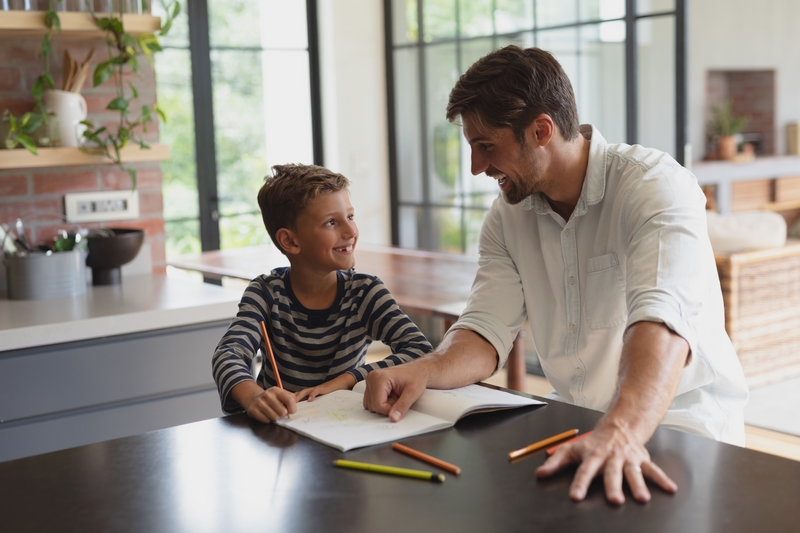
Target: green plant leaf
{"points": [[46, 47], [102, 72], [38, 87], [48, 78], [132, 172], [133, 90], [28, 143], [161, 113], [30, 121], [118, 104], [51, 20], [143, 145]]}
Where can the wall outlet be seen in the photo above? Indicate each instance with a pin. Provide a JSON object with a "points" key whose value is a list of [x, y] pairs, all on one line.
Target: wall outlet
{"points": [[101, 206]]}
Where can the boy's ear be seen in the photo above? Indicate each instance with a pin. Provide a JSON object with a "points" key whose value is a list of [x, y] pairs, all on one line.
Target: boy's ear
{"points": [[286, 239]]}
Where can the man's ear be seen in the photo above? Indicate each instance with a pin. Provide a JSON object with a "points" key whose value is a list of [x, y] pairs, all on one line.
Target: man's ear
{"points": [[287, 240], [542, 129]]}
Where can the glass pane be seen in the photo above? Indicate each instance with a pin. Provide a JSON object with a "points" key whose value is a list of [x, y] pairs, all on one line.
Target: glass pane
{"points": [[439, 19], [473, 50], [563, 44], [287, 107], [266, 23], [474, 220], [174, 86], [409, 218], [443, 138], [556, 12], [602, 9], [600, 92], [239, 128], [645, 7], [523, 40], [656, 83], [445, 231], [513, 15], [404, 21], [407, 124], [476, 18], [182, 237], [242, 230], [178, 35]]}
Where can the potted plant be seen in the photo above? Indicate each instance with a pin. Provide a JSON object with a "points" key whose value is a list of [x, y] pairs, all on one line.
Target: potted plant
{"points": [[725, 126]]}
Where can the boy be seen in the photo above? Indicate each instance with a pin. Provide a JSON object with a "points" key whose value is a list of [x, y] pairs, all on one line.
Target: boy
{"points": [[320, 314]]}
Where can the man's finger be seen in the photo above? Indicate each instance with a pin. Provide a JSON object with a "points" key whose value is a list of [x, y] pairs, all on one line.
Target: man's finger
{"points": [[401, 406], [584, 476], [635, 479], [654, 472], [612, 480], [561, 458]]}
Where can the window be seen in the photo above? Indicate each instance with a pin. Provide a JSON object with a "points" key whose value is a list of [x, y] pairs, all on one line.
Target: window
{"points": [[238, 82], [625, 59]]}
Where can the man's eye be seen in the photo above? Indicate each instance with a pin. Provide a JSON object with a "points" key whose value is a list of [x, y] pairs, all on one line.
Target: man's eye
{"points": [[350, 217]]}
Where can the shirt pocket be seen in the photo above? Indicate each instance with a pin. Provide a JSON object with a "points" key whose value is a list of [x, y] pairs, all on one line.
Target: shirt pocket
{"points": [[606, 305]]}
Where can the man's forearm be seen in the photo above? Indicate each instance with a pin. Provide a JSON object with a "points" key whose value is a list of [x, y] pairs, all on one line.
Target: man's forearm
{"points": [[463, 358], [651, 364]]}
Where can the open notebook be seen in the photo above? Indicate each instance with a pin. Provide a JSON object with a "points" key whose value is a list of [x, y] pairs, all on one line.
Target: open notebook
{"points": [[340, 420]]}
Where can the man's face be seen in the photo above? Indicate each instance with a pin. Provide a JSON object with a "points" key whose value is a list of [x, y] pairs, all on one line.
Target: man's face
{"points": [[517, 169]]}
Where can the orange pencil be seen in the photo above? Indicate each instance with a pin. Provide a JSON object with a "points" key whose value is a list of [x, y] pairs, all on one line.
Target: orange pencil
{"points": [[427, 458], [271, 355], [552, 450], [541, 444]]}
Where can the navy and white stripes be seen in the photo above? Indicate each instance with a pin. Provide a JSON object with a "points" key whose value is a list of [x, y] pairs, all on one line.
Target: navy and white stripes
{"points": [[313, 346]]}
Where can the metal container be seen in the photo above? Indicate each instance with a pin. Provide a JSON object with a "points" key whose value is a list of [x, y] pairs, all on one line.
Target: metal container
{"points": [[38, 275]]}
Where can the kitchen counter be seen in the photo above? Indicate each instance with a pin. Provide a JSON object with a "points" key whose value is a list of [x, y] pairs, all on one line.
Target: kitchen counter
{"points": [[139, 303], [116, 361]]}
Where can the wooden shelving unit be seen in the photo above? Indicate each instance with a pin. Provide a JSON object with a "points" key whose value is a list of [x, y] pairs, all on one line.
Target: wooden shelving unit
{"points": [[20, 24], [66, 156]]}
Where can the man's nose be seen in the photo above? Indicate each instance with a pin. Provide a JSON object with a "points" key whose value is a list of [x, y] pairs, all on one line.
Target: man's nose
{"points": [[479, 162]]}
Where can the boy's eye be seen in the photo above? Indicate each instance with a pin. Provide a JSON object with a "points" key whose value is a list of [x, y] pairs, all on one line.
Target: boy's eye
{"points": [[329, 222]]}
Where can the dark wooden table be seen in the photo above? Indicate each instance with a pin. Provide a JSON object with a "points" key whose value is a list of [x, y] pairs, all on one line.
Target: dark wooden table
{"points": [[426, 283], [233, 474]]}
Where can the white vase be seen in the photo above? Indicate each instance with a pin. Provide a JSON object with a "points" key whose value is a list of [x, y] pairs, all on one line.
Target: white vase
{"points": [[71, 110]]}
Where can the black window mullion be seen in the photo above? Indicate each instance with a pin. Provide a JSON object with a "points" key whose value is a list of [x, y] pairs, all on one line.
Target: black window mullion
{"points": [[314, 80], [681, 77], [205, 153], [425, 238], [394, 189], [631, 74]]}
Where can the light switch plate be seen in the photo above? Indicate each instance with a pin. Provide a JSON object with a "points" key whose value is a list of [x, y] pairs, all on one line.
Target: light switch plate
{"points": [[101, 206]]}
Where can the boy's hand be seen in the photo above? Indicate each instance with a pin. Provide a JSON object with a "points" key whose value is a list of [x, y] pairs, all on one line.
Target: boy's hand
{"points": [[345, 381], [264, 405]]}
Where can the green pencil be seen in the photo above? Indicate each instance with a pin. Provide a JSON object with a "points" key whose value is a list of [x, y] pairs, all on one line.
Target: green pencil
{"points": [[393, 470]]}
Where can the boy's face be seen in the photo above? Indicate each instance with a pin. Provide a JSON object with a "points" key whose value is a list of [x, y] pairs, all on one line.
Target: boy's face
{"points": [[326, 233]]}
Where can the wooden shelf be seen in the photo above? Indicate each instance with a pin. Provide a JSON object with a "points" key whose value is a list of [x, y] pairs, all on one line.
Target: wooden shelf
{"points": [[66, 156], [74, 25]]}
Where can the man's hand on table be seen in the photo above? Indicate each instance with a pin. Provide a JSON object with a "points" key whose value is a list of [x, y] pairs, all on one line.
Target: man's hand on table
{"points": [[614, 453]]}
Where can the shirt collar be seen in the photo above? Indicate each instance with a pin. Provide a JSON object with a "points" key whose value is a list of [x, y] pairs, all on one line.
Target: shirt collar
{"points": [[594, 184]]}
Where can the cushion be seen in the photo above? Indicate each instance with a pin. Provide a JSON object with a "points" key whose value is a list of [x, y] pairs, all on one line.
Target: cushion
{"points": [[746, 230]]}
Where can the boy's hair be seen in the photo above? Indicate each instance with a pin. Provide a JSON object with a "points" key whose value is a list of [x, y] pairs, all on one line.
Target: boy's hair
{"points": [[288, 192], [510, 87]]}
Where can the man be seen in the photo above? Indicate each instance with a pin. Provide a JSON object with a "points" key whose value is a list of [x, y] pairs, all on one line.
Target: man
{"points": [[604, 249]]}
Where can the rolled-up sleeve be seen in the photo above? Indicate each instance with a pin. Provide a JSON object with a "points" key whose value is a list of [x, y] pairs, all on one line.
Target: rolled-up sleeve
{"points": [[496, 306], [664, 222]]}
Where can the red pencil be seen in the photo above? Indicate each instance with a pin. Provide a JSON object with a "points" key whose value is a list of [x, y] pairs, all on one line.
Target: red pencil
{"points": [[551, 451], [427, 458]]}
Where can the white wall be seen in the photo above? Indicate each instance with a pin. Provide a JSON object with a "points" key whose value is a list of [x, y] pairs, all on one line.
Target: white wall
{"points": [[744, 35], [354, 108]]}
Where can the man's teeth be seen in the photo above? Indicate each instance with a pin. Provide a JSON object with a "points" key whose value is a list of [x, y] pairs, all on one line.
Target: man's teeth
{"points": [[501, 180]]}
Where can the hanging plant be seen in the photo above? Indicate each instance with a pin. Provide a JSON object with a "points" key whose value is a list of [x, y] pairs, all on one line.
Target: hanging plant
{"points": [[123, 52], [21, 128]]}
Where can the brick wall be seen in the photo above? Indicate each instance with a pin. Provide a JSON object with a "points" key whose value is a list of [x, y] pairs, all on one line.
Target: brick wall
{"points": [[40, 191]]}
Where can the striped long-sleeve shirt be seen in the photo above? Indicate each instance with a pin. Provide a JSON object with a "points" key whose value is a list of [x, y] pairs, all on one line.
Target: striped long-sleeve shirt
{"points": [[313, 346]]}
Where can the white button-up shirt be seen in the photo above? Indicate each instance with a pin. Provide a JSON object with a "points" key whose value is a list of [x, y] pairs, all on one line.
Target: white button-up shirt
{"points": [[636, 248]]}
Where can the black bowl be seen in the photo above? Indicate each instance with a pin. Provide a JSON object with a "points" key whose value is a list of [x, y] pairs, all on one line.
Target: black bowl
{"points": [[107, 253]]}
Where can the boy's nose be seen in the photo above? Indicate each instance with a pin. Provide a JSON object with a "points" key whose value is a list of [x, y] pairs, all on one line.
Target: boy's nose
{"points": [[351, 229]]}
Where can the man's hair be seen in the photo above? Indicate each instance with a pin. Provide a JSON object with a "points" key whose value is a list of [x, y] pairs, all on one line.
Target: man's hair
{"points": [[288, 192], [510, 87]]}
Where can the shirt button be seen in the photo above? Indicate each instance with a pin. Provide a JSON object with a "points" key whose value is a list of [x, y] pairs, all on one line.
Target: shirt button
{"points": [[566, 232], [572, 328], [579, 371], [572, 280]]}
